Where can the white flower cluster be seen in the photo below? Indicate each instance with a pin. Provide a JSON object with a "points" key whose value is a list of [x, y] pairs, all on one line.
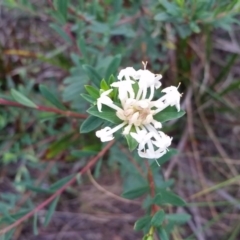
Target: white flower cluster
{"points": [[137, 110]]}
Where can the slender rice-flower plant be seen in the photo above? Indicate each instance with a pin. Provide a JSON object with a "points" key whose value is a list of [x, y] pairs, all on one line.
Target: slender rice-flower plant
{"points": [[135, 106]]}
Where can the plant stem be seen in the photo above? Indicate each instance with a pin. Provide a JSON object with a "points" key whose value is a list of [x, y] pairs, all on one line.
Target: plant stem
{"points": [[59, 191], [154, 207], [44, 109]]}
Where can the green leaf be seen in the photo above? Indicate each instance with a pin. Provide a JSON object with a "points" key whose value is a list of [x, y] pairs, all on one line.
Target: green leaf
{"points": [[162, 234], [225, 70], [12, 218], [167, 197], [51, 211], [62, 7], [179, 218], [233, 86], [167, 114], [35, 227], [83, 153], [113, 66], [104, 85], [92, 91], [51, 97], [38, 189], [136, 192], [107, 113], [161, 17], [82, 47], [194, 27], [20, 98], [88, 98], [90, 124], [9, 235], [142, 223], [60, 31], [60, 145], [111, 80], [132, 143], [158, 218], [92, 74], [54, 187]]}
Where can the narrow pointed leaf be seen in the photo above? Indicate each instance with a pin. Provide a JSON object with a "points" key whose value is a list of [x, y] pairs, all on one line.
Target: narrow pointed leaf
{"points": [[82, 47], [113, 66], [51, 97], [132, 143], [136, 192], [90, 124], [158, 218], [92, 74], [104, 85], [55, 186], [35, 227], [51, 211], [179, 218], [142, 223], [88, 98], [61, 6], [107, 114], [92, 91], [167, 114], [167, 197], [163, 234], [20, 98]]}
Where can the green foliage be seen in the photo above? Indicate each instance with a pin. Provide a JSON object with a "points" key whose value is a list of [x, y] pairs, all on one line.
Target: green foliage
{"points": [[179, 218], [92, 74], [61, 8], [51, 210], [136, 192], [93, 92], [189, 17], [51, 97], [132, 143], [20, 98], [158, 218], [167, 197], [142, 223], [90, 124], [107, 114], [168, 113], [163, 234]]}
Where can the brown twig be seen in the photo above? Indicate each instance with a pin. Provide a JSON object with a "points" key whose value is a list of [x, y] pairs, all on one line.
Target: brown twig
{"points": [[59, 191], [155, 208], [5, 102], [102, 189]]}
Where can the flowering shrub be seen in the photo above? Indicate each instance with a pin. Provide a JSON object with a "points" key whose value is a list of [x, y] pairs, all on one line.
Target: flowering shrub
{"points": [[133, 105]]}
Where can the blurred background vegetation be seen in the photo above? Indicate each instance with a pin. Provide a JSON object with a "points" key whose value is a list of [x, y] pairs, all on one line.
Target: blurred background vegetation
{"points": [[50, 49]]}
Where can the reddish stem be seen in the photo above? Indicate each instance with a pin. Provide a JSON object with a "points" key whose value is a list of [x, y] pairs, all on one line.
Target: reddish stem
{"points": [[44, 109], [155, 208], [59, 191]]}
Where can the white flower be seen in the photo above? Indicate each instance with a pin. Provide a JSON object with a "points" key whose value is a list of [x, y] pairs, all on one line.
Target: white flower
{"points": [[137, 110], [147, 140], [104, 99], [124, 88], [106, 134], [172, 97], [127, 73], [147, 80]]}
